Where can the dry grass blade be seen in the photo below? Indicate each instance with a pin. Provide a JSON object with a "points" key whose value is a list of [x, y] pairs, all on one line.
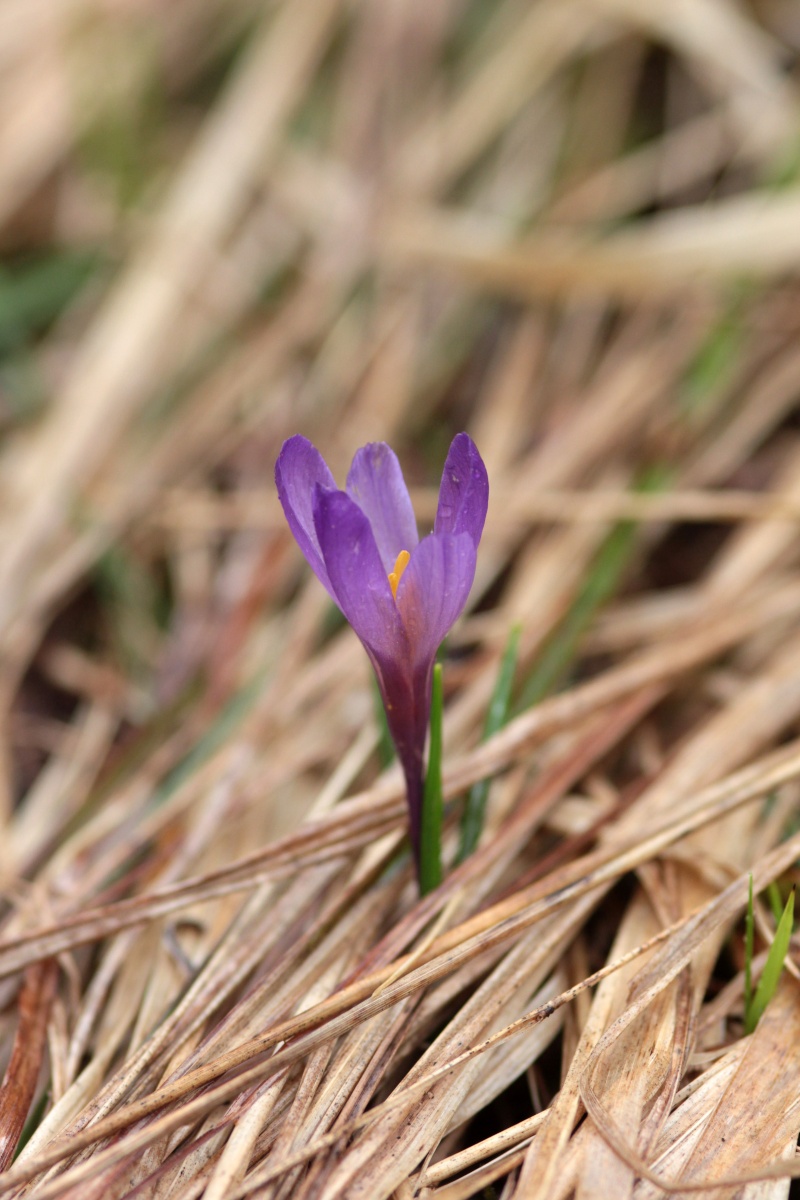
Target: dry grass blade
{"points": [[25, 1064]]}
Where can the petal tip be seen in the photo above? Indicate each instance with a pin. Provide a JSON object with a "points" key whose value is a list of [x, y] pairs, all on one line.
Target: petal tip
{"points": [[290, 446], [298, 469], [464, 491]]}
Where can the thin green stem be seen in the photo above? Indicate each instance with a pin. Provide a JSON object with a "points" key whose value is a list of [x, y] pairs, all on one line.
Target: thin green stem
{"points": [[430, 854]]}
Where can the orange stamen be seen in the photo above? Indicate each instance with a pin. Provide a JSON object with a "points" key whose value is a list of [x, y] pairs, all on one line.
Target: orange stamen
{"points": [[396, 575]]}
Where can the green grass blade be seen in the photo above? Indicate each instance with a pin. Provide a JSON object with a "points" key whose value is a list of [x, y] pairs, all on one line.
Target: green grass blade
{"points": [[496, 717], [33, 296], [600, 585], [714, 366], [602, 582], [772, 968], [430, 865]]}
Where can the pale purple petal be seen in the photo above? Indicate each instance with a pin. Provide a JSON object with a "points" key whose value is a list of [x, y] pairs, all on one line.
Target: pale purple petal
{"points": [[464, 491], [299, 470], [434, 589], [359, 583], [376, 483]]}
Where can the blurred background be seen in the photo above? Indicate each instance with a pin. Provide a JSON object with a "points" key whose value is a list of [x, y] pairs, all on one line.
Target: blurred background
{"points": [[570, 227], [221, 223]]}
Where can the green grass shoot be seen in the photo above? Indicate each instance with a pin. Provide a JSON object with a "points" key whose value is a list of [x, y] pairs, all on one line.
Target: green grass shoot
{"points": [[773, 966], [496, 717], [430, 865], [602, 582]]}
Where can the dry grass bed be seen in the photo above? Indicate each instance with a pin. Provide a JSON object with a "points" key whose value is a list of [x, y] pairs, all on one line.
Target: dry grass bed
{"points": [[571, 227]]}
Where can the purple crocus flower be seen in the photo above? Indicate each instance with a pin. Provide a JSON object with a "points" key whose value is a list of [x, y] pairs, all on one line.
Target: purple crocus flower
{"points": [[401, 595]]}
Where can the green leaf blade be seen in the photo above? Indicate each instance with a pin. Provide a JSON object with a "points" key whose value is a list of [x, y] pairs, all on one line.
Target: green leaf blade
{"points": [[430, 864], [496, 717], [771, 974]]}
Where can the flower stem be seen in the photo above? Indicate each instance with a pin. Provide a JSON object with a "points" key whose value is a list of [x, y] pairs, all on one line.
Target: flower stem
{"points": [[430, 853], [385, 743]]}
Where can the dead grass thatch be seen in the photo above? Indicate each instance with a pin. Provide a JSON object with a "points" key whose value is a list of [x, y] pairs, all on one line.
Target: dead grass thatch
{"points": [[573, 228]]}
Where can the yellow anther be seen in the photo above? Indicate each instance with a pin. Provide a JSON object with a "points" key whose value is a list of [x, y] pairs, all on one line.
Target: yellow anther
{"points": [[396, 575]]}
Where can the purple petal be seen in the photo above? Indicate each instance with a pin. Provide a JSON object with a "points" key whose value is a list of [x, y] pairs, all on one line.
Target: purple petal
{"points": [[434, 589], [359, 583], [376, 483], [464, 491], [300, 469]]}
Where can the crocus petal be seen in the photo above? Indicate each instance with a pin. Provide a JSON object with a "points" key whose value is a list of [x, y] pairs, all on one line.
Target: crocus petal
{"points": [[433, 591], [300, 469], [359, 583], [376, 483], [464, 491]]}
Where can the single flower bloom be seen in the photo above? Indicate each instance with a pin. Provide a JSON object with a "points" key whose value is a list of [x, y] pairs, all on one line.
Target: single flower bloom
{"points": [[401, 595]]}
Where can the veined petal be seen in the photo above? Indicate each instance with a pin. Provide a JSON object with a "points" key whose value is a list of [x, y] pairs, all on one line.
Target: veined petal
{"points": [[375, 481], [464, 491], [359, 584], [300, 469], [433, 591]]}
